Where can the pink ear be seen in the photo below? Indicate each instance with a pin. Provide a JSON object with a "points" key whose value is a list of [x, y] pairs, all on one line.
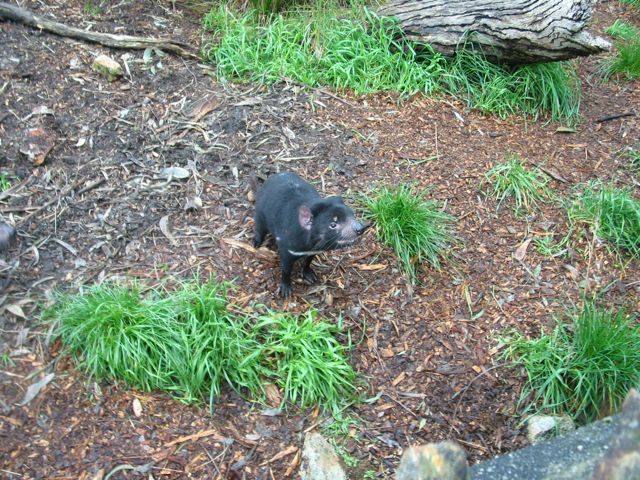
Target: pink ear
{"points": [[305, 217]]}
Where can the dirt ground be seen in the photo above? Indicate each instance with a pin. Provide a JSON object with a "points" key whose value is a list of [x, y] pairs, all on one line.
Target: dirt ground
{"points": [[430, 356]]}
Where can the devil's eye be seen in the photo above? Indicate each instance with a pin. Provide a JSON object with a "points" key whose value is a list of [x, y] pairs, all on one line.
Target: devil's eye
{"points": [[333, 225]]}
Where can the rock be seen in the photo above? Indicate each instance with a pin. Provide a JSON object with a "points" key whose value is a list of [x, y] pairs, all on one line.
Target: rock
{"points": [[607, 449], [544, 427], [319, 460], [622, 461], [434, 461], [107, 66]]}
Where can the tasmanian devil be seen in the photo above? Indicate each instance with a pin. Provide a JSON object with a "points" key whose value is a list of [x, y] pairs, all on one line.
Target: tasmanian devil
{"points": [[302, 223], [7, 236]]}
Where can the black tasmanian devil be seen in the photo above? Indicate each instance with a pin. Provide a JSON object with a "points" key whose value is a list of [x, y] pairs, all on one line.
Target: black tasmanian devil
{"points": [[7, 236], [302, 223]]}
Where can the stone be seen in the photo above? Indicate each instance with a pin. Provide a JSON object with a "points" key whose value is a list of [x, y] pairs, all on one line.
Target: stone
{"points": [[608, 449], [319, 460], [544, 427], [107, 66], [622, 461], [434, 461]]}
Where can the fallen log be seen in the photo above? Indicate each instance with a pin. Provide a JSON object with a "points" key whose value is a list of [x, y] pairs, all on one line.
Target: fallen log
{"points": [[506, 31], [17, 14]]}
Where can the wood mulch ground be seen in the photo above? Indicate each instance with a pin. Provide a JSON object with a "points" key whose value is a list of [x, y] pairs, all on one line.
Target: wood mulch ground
{"points": [[429, 355]]}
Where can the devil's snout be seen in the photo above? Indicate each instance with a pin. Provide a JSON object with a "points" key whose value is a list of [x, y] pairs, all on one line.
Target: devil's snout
{"points": [[360, 228]]}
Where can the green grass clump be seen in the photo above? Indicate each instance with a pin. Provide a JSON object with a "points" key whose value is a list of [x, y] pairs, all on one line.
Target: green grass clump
{"points": [[620, 29], [529, 89], [584, 368], [417, 229], [185, 342], [612, 213], [309, 363], [513, 180], [627, 61], [547, 247], [5, 183], [634, 160], [633, 3], [359, 51], [267, 7], [188, 342], [363, 56]]}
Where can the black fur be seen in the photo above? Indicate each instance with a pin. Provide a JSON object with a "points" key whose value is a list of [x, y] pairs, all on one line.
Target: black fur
{"points": [[7, 236], [302, 223]]}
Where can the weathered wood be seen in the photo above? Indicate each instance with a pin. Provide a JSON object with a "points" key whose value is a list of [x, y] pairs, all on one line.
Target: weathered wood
{"points": [[507, 31], [17, 14]]}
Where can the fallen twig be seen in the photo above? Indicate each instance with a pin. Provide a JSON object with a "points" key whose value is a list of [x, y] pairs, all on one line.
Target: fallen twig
{"points": [[17, 14], [64, 193], [614, 116]]}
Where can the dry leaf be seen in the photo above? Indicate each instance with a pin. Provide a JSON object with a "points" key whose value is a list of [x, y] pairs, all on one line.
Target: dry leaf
{"points": [[565, 130], [238, 243], [521, 252], [35, 388], [273, 394], [205, 108], [16, 310], [164, 228], [386, 353], [13, 421], [175, 172], [373, 266], [249, 102], [293, 466], [137, 407]]}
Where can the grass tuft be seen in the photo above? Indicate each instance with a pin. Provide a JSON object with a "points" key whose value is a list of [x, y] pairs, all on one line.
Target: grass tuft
{"points": [[529, 89], [363, 56], [634, 160], [633, 3], [584, 368], [188, 342], [417, 229], [612, 213], [627, 61], [625, 31], [5, 183], [513, 180], [309, 363], [364, 53]]}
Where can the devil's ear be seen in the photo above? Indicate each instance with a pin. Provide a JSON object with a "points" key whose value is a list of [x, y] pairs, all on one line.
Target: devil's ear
{"points": [[305, 217]]}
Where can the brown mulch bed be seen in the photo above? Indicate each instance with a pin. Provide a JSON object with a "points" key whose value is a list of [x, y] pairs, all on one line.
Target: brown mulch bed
{"points": [[429, 354]]}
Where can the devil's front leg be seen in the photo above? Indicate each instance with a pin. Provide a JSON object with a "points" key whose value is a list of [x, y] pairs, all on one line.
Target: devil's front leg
{"points": [[307, 272], [286, 266]]}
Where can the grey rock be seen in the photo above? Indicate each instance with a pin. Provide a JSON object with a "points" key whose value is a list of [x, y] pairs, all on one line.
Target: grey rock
{"points": [[622, 462], [544, 427], [434, 461], [608, 449], [107, 66], [319, 460]]}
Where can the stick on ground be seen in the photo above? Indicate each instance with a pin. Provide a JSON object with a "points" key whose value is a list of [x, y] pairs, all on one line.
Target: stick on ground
{"points": [[17, 14]]}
